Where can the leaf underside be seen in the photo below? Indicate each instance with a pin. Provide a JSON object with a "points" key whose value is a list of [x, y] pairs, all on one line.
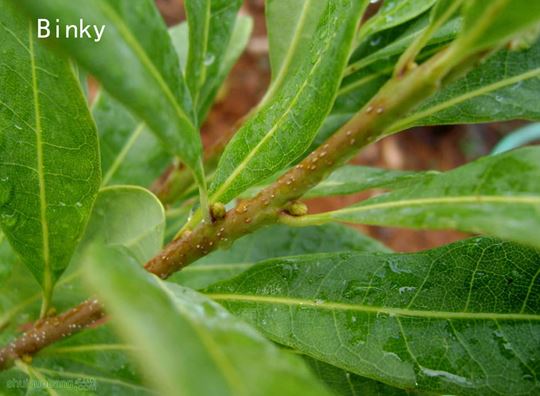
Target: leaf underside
{"points": [[462, 319]]}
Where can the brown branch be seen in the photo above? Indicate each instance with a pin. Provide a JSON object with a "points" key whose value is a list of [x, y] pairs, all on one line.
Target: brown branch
{"points": [[394, 100], [46, 331]]}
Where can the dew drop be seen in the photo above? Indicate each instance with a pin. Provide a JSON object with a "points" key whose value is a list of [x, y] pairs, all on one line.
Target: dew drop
{"points": [[210, 58], [375, 41], [406, 289]]}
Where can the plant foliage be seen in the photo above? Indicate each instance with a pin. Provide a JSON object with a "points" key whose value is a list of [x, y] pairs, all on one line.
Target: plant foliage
{"points": [[270, 299]]}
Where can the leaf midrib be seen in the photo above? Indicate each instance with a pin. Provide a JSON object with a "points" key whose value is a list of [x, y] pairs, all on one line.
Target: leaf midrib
{"points": [[47, 270], [199, 82], [121, 156], [106, 380], [35, 372], [524, 200], [286, 63], [217, 267], [367, 309], [271, 132], [139, 51]]}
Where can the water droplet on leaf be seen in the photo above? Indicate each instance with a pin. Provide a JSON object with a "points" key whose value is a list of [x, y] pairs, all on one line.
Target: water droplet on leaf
{"points": [[210, 58]]}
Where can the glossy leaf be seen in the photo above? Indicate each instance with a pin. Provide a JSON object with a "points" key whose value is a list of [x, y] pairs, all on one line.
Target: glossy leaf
{"points": [[201, 349], [137, 65], [502, 88], [198, 17], [263, 145], [213, 27], [442, 11], [127, 217], [372, 65], [485, 197], [49, 160], [488, 22], [383, 47], [499, 89], [351, 179], [272, 242], [291, 26], [462, 319], [394, 13], [130, 152], [344, 383], [239, 39]]}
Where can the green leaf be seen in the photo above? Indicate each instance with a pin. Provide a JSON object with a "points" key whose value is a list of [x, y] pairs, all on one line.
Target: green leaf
{"points": [[130, 152], [502, 88], [372, 65], [497, 195], [130, 218], [344, 383], [285, 125], [351, 179], [490, 22], [291, 27], [49, 160], [198, 17], [394, 13], [383, 48], [272, 242], [441, 12], [7, 258], [212, 30], [201, 349], [18, 292], [180, 39], [93, 362], [462, 319], [136, 63], [216, 75]]}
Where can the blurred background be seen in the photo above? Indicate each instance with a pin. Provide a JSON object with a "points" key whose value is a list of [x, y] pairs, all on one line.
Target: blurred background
{"points": [[438, 148]]}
